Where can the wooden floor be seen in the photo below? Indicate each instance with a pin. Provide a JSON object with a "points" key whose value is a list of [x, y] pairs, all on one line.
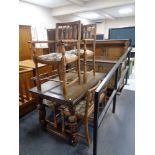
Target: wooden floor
{"points": [[116, 133]]}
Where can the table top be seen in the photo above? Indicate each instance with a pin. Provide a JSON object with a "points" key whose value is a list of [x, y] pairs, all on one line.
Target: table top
{"points": [[53, 90], [24, 69], [29, 63]]}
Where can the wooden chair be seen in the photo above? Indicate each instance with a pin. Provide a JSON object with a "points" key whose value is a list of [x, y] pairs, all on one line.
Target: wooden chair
{"points": [[88, 36], [83, 111], [67, 35]]}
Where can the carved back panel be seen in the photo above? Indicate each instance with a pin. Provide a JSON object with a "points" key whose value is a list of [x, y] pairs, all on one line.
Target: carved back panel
{"points": [[69, 30], [89, 31]]}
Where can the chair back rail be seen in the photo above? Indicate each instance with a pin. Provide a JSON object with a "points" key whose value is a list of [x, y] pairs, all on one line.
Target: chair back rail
{"points": [[69, 33], [89, 31], [68, 30], [88, 36]]}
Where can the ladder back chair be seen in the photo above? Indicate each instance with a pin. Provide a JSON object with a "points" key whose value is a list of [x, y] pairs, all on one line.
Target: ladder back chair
{"points": [[83, 111], [88, 37], [67, 35]]}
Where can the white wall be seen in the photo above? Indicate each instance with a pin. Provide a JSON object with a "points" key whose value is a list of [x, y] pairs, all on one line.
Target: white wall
{"points": [[103, 28], [38, 17], [70, 18]]}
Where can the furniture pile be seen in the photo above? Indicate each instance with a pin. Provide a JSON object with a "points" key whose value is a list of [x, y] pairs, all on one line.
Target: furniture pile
{"points": [[62, 78], [71, 40]]}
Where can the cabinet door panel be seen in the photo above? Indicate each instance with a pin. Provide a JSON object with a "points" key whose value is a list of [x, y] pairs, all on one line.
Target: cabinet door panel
{"points": [[24, 46]]}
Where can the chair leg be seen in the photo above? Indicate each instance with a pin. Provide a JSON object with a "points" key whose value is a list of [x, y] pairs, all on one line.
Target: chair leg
{"points": [[59, 71], [78, 62], [37, 75], [85, 68], [64, 79], [63, 121], [94, 65], [62, 76], [87, 131], [78, 70], [55, 119], [63, 65]]}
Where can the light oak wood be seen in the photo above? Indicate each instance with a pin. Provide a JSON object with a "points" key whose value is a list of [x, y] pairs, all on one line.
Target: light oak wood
{"points": [[111, 49], [42, 68], [26, 73], [67, 34], [26, 100], [107, 54], [24, 47], [88, 36]]}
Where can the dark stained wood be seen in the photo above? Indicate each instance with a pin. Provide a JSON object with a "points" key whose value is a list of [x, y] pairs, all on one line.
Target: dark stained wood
{"points": [[53, 90], [51, 36]]}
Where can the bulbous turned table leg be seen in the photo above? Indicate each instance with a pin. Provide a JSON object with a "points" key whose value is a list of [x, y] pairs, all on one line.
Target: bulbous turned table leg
{"points": [[74, 140], [73, 126], [42, 112]]}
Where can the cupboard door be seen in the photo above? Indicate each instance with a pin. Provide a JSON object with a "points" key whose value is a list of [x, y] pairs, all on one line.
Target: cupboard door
{"points": [[24, 46]]}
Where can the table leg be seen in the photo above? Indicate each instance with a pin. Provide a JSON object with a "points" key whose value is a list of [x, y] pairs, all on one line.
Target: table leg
{"points": [[42, 112], [73, 126]]}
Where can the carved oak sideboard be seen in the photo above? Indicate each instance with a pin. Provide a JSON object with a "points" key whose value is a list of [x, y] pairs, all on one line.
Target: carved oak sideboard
{"points": [[107, 54]]}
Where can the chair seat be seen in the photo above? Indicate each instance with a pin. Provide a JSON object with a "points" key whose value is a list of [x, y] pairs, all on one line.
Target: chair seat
{"points": [[56, 57], [79, 109], [50, 104], [88, 52]]}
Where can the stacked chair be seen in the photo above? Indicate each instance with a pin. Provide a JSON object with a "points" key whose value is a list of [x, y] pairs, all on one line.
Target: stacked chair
{"points": [[71, 43], [67, 34], [88, 37]]}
